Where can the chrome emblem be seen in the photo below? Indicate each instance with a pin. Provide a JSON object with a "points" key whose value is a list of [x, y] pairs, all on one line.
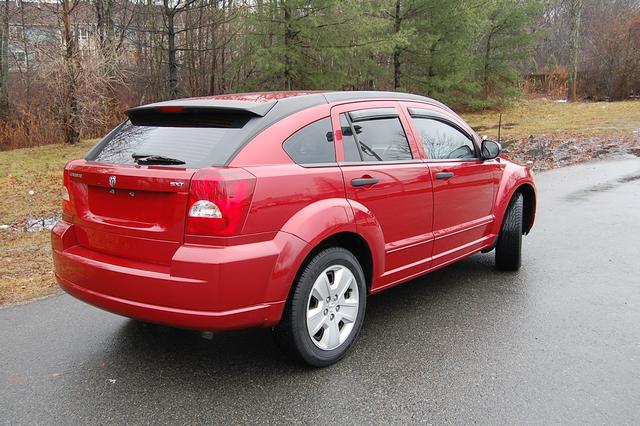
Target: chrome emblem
{"points": [[177, 184], [112, 181]]}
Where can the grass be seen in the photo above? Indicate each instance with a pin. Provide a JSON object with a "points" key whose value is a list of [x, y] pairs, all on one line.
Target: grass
{"points": [[26, 270], [34, 169], [538, 117]]}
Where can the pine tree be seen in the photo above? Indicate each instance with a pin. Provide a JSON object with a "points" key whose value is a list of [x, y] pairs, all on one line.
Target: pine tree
{"points": [[505, 38]]}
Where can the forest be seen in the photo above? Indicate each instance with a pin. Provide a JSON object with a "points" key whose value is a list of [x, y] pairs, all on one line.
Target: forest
{"points": [[69, 68]]}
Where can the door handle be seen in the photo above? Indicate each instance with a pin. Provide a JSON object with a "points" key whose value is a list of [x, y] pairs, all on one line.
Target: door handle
{"points": [[444, 175], [364, 181]]}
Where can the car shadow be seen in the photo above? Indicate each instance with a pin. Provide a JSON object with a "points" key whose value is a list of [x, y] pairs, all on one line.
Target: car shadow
{"points": [[418, 326], [411, 306]]}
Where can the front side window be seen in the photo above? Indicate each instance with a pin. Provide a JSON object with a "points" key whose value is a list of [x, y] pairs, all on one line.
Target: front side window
{"points": [[313, 144], [442, 141], [377, 135]]}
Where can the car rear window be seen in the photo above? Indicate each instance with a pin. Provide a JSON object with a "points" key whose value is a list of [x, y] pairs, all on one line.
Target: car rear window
{"points": [[313, 144], [199, 143]]}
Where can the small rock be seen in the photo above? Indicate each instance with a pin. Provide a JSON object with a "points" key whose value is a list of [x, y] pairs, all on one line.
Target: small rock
{"points": [[31, 192]]}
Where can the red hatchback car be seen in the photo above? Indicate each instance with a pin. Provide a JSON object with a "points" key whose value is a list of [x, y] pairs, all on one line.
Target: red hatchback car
{"points": [[282, 210]]}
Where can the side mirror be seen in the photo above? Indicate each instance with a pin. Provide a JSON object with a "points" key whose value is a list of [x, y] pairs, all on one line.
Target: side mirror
{"points": [[490, 149]]}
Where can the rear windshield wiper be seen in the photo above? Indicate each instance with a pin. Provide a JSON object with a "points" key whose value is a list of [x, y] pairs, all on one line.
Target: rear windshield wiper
{"points": [[154, 159]]}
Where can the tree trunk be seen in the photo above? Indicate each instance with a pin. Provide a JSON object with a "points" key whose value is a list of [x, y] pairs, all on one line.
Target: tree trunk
{"points": [[487, 66], [214, 54], [575, 13], [430, 72], [27, 75], [105, 28], [171, 39], [4, 62], [397, 72], [288, 40], [223, 69], [107, 46], [98, 5], [70, 114]]}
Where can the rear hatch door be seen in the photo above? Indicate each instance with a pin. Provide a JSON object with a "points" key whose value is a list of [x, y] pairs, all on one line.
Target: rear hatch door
{"points": [[127, 211], [125, 205]]}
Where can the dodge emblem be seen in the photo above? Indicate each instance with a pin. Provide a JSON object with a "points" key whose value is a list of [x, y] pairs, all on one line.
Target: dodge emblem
{"points": [[112, 181]]}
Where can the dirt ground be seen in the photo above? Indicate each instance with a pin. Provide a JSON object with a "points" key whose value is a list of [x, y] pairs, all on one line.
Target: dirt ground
{"points": [[550, 152], [27, 270]]}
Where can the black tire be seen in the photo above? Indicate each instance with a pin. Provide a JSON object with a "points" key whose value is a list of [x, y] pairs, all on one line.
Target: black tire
{"points": [[291, 333], [509, 245]]}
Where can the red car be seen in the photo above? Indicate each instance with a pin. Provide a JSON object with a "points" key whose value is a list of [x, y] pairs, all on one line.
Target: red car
{"points": [[282, 210]]}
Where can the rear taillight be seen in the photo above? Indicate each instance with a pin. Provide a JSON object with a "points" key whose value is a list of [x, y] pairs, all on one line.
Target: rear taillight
{"points": [[67, 210], [219, 200]]}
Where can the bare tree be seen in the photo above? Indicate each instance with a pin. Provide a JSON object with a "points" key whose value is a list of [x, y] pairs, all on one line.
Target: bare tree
{"points": [[70, 117], [4, 61], [171, 10], [575, 14], [397, 22]]}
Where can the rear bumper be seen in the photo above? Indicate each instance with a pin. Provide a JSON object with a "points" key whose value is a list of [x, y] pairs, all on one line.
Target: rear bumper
{"points": [[204, 287], [251, 316]]}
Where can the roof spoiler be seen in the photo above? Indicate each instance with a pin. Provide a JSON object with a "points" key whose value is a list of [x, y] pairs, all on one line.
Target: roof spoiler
{"points": [[229, 114]]}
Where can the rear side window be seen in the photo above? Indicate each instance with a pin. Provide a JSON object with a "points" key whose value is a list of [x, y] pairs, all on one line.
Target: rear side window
{"points": [[198, 137], [378, 135], [442, 141], [313, 144]]}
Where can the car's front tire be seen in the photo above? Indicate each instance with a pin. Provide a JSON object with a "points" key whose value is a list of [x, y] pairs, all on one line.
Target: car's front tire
{"points": [[325, 311], [509, 245]]}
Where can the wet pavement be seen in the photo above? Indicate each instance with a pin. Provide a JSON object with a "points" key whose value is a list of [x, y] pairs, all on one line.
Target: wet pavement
{"points": [[557, 342]]}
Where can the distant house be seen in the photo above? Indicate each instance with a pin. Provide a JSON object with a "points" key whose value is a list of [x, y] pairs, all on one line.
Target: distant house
{"points": [[35, 30]]}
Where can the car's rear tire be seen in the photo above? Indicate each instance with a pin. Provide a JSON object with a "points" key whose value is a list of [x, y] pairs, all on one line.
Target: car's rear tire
{"points": [[509, 245], [325, 310]]}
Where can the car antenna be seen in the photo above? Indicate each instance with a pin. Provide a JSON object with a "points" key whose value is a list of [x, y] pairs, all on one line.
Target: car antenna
{"points": [[499, 126]]}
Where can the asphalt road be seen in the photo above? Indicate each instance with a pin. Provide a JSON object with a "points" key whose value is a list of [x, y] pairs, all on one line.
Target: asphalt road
{"points": [[557, 342]]}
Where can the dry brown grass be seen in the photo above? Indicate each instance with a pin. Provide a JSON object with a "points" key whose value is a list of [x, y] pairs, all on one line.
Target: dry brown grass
{"points": [[541, 117], [38, 170], [27, 270]]}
